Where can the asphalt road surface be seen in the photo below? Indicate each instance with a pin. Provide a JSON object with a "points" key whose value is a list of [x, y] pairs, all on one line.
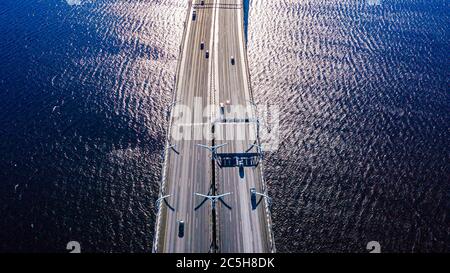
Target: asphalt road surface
{"points": [[240, 229], [188, 166]]}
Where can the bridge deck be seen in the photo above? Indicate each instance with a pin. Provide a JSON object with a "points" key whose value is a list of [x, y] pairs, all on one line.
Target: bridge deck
{"points": [[240, 229]]}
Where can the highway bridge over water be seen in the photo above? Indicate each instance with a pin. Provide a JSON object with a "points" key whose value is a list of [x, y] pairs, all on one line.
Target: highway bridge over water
{"points": [[213, 199]]}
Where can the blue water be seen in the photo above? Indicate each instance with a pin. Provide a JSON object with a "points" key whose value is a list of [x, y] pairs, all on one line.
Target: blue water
{"points": [[365, 140]]}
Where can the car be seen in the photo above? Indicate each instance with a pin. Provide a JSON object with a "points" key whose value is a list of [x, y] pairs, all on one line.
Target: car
{"points": [[207, 54], [253, 198], [181, 229], [222, 108], [232, 60], [202, 2], [194, 15], [240, 164], [202, 45]]}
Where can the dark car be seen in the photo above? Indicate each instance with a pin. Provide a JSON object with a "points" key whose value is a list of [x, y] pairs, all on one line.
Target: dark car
{"points": [[232, 60], [202, 45], [194, 15], [181, 229], [207, 54], [253, 198]]}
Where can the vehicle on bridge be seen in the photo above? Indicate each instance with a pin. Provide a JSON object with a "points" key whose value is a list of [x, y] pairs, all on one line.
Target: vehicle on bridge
{"points": [[213, 199], [255, 203], [253, 198], [180, 229]]}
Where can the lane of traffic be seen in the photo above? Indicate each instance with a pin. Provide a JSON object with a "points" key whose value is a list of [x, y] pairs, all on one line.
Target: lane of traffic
{"points": [[187, 171], [241, 229]]}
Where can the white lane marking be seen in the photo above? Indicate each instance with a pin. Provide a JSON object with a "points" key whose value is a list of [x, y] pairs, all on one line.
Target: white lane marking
{"points": [[216, 56]]}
